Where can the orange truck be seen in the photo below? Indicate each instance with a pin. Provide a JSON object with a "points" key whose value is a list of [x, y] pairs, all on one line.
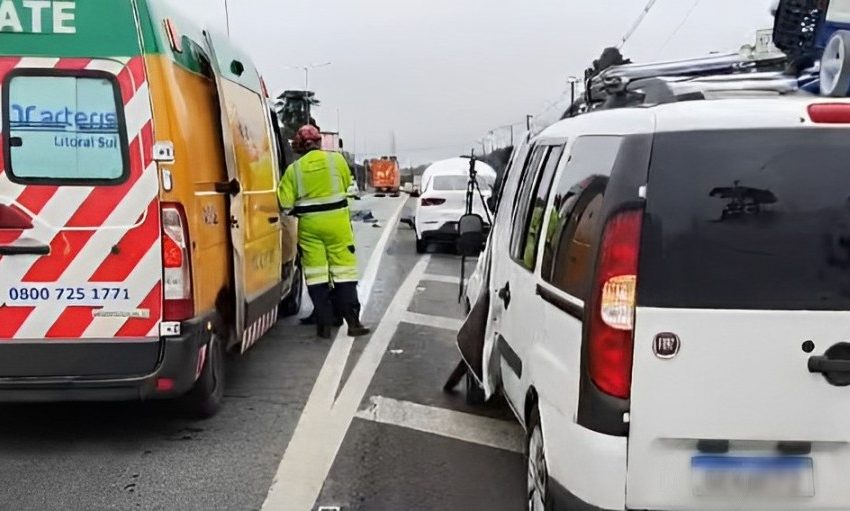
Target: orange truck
{"points": [[385, 175]]}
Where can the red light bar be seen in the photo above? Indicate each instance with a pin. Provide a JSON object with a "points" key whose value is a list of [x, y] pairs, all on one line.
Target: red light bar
{"points": [[830, 113]]}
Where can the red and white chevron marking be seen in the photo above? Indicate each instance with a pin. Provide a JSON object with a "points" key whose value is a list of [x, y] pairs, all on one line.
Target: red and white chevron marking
{"points": [[258, 329], [84, 225]]}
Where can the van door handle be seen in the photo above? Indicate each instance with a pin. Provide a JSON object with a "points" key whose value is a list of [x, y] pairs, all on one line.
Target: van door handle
{"points": [[274, 219], [9, 250], [505, 294]]}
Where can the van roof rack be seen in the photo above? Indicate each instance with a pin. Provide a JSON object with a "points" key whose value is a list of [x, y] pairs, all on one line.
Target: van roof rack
{"points": [[665, 82]]}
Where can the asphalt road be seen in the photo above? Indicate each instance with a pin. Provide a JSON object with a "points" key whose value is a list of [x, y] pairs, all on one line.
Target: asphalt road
{"points": [[406, 445]]}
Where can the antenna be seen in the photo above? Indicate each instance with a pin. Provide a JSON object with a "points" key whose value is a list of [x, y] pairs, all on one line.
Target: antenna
{"points": [[227, 17]]}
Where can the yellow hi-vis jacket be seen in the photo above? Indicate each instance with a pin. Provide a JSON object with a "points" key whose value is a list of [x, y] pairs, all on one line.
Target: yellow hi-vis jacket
{"points": [[315, 187], [316, 180]]}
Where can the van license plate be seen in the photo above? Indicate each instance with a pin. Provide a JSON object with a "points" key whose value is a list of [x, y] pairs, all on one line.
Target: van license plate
{"points": [[721, 476]]}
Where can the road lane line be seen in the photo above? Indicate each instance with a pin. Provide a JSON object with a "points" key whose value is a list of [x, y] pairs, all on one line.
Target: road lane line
{"points": [[447, 279], [467, 427], [368, 278], [341, 348], [322, 426], [432, 321]]}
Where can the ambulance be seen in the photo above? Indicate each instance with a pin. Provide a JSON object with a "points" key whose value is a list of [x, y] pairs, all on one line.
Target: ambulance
{"points": [[140, 235]]}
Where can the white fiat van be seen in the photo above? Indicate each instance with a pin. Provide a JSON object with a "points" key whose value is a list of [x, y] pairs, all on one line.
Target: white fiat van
{"points": [[669, 301]]}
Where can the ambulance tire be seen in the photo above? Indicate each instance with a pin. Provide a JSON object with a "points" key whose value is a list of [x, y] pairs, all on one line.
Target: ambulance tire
{"points": [[421, 246], [204, 400], [291, 305]]}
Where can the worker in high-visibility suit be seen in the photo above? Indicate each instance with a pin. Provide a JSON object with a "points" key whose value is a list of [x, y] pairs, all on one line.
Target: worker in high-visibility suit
{"points": [[315, 189]]}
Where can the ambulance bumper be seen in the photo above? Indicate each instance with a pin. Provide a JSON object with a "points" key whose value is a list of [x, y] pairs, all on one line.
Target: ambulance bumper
{"points": [[102, 370]]}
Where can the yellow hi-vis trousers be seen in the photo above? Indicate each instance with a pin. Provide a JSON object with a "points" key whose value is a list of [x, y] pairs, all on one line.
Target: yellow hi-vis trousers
{"points": [[327, 247]]}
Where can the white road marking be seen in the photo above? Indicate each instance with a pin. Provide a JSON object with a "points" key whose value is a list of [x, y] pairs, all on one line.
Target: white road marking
{"points": [[432, 321], [470, 428], [322, 426], [368, 278], [447, 279]]}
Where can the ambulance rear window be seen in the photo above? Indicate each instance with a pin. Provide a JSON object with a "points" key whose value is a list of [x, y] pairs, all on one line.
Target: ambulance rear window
{"points": [[64, 128]]}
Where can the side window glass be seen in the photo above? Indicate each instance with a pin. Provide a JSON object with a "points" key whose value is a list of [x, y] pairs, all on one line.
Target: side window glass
{"points": [[523, 199], [538, 207], [579, 195]]}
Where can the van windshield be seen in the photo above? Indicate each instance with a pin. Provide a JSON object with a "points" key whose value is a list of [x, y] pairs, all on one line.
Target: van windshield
{"points": [[748, 220], [64, 129]]}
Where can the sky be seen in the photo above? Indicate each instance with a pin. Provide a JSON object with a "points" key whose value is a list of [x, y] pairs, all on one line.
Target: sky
{"points": [[438, 75]]}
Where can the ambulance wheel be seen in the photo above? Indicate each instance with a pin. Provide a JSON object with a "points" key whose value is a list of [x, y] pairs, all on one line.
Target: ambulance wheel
{"points": [[204, 400], [421, 246], [291, 305], [474, 393]]}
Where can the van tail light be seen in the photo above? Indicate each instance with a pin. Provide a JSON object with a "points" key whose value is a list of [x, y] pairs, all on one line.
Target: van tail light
{"points": [[433, 202], [13, 218], [177, 272], [830, 113], [611, 335]]}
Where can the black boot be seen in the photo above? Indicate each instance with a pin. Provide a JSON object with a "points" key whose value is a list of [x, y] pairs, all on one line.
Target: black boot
{"points": [[324, 331], [356, 328]]}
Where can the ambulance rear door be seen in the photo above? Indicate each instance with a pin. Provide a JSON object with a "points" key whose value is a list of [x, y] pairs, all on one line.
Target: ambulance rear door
{"points": [[80, 256]]}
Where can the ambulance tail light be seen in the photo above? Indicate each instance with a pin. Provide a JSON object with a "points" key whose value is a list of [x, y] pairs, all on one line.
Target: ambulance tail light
{"points": [[177, 272], [13, 218], [611, 333]]}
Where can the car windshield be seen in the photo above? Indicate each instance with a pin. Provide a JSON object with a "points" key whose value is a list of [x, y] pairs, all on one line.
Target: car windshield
{"points": [[748, 219]]}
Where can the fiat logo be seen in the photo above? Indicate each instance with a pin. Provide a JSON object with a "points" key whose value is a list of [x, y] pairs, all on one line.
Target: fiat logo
{"points": [[666, 345]]}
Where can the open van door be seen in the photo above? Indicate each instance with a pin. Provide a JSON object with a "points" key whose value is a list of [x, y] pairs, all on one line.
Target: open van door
{"points": [[236, 198], [255, 221]]}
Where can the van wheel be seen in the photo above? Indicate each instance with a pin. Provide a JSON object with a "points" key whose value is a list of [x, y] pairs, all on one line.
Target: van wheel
{"points": [[204, 400], [538, 473], [474, 393], [421, 246], [291, 305]]}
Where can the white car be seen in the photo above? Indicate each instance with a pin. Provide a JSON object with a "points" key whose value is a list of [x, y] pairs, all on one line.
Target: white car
{"points": [[669, 306], [475, 284], [443, 200]]}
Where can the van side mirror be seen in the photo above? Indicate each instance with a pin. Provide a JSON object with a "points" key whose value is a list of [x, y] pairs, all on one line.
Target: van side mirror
{"points": [[470, 241], [409, 222], [492, 203]]}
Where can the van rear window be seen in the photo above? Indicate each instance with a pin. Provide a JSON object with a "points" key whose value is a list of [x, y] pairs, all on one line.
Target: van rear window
{"points": [[748, 220], [64, 129]]}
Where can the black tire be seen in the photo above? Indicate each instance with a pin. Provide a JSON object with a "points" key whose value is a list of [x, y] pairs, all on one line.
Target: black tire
{"points": [[474, 393], [535, 454], [206, 396], [421, 246], [291, 305]]}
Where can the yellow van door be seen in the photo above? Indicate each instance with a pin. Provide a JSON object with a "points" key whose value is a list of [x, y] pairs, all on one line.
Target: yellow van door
{"points": [[254, 213]]}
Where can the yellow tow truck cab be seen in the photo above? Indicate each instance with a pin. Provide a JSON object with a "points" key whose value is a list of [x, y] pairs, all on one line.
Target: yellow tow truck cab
{"points": [[140, 235]]}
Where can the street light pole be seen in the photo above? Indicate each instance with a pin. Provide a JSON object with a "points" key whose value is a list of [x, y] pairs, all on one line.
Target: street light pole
{"points": [[306, 70]]}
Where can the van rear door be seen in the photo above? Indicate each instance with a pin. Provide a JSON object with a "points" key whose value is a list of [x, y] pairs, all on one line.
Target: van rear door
{"points": [[743, 291], [80, 254]]}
